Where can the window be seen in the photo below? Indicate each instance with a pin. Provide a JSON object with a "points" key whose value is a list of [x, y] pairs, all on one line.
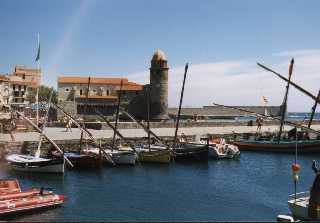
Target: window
{"points": [[80, 91], [108, 92], [19, 88], [24, 77], [67, 89]]}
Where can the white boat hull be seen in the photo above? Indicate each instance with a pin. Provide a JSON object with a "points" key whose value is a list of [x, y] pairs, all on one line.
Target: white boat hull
{"points": [[124, 158], [26, 163], [299, 207]]}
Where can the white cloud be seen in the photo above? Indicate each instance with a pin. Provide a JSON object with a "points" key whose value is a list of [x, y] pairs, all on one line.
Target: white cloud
{"points": [[242, 82]]}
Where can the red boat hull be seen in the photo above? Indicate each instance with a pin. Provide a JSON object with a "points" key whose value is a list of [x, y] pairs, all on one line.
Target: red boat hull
{"points": [[305, 146], [13, 200]]}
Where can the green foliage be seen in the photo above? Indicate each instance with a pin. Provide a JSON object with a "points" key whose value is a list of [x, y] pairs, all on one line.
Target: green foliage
{"points": [[44, 94]]}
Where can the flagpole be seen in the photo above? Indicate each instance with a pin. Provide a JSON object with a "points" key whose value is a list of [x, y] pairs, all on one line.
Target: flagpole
{"points": [[37, 94]]}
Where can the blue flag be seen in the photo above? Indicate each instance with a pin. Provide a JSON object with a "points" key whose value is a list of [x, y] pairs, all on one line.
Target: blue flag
{"points": [[38, 54]]}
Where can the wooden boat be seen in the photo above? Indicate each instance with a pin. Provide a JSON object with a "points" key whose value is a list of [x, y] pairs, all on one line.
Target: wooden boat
{"points": [[14, 201], [156, 154], [120, 156], [305, 146], [189, 151], [27, 163], [82, 161], [219, 149]]}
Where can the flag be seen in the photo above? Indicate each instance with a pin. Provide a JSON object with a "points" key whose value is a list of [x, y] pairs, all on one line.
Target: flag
{"points": [[38, 54], [265, 100]]}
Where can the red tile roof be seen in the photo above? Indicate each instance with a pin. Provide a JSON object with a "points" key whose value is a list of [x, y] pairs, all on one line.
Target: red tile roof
{"points": [[127, 86]]}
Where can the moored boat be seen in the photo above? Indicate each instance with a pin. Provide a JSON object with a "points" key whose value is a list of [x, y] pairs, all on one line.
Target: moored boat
{"points": [[305, 146], [189, 151], [156, 154], [27, 163], [14, 201]]}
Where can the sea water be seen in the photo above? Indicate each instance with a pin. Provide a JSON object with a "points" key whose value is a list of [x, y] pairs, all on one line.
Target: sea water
{"points": [[255, 187]]}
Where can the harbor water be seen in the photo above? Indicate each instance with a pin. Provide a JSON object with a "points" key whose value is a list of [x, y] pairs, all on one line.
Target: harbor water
{"points": [[255, 188]]}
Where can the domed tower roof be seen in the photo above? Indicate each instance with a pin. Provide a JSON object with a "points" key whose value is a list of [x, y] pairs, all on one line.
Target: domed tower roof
{"points": [[159, 55]]}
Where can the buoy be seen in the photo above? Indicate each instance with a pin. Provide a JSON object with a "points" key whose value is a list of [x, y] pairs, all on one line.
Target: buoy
{"points": [[295, 168], [295, 177]]}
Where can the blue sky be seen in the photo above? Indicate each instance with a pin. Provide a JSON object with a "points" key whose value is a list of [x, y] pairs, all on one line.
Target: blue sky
{"points": [[100, 37]]}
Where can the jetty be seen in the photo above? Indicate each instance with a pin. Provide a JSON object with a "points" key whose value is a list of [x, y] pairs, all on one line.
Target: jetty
{"points": [[58, 134]]}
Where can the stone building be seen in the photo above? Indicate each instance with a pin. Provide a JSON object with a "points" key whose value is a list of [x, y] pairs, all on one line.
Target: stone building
{"points": [[158, 89], [103, 94], [14, 87]]}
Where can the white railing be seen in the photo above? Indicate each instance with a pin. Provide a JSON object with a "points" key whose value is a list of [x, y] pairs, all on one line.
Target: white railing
{"points": [[300, 195]]}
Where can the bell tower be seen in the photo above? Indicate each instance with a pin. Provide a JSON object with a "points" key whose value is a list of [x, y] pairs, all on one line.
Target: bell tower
{"points": [[159, 86]]}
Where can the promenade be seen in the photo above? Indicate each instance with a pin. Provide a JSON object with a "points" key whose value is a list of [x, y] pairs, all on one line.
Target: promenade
{"points": [[61, 134]]}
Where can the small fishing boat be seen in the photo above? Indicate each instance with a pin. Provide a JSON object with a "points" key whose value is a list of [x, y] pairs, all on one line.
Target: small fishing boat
{"points": [[305, 146], [222, 150], [156, 153], [27, 163], [14, 201], [191, 151], [81, 160], [120, 156]]}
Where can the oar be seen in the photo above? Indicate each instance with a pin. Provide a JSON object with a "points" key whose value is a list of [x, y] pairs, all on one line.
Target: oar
{"points": [[292, 83], [268, 116], [45, 135]]}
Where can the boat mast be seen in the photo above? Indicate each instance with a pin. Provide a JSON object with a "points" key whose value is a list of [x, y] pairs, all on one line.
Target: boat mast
{"points": [[145, 128], [313, 110], [38, 152], [284, 104], [85, 130], [179, 111], [117, 116], [45, 135], [148, 114], [292, 83], [271, 117], [113, 128]]}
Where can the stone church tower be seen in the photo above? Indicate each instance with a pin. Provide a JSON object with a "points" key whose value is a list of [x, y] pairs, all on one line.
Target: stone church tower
{"points": [[159, 86]]}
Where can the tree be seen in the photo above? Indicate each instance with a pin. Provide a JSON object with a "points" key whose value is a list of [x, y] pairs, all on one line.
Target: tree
{"points": [[44, 94]]}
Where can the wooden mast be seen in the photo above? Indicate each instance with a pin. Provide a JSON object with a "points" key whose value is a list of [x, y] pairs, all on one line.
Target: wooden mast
{"points": [[284, 108], [145, 128], [313, 110], [43, 126], [291, 83], [271, 117], [83, 128], [114, 129], [179, 111], [148, 115], [117, 116], [45, 135]]}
